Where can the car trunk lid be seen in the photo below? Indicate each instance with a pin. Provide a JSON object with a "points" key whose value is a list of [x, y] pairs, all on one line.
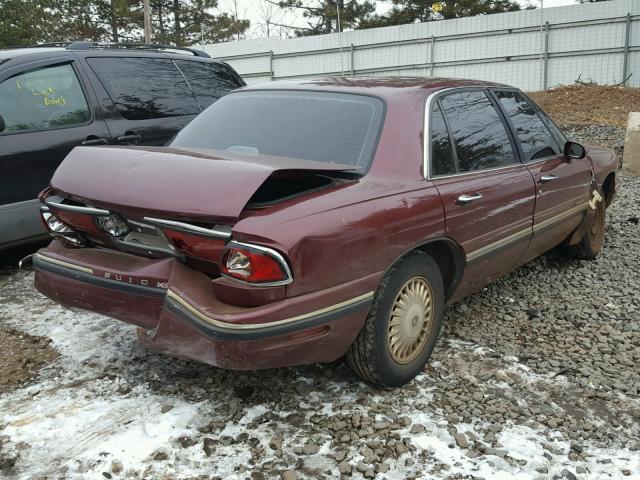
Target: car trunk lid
{"points": [[199, 185]]}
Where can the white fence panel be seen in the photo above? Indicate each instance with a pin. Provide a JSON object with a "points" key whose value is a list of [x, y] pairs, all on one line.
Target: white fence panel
{"points": [[531, 49]]}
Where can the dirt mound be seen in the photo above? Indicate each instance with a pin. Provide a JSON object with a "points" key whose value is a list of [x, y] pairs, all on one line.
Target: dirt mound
{"points": [[579, 105], [22, 357]]}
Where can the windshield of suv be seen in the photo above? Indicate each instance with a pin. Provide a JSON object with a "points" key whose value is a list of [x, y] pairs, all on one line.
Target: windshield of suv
{"points": [[327, 127]]}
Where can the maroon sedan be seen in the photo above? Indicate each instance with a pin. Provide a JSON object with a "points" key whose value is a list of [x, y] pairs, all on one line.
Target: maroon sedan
{"points": [[297, 222]]}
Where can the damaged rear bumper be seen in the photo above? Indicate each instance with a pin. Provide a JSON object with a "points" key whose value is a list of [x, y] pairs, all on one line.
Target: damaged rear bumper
{"points": [[179, 314]]}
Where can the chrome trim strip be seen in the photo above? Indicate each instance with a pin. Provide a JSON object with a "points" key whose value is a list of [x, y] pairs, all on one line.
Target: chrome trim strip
{"points": [[543, 159], [77, 209], [207, 232], [472, 256], [61, 263], [499, 244], [561, 216], [271, 252], [252, 326], [484, 170]]}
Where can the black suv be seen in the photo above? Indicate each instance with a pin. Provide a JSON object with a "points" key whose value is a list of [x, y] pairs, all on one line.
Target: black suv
{"points": [[55, 97]]}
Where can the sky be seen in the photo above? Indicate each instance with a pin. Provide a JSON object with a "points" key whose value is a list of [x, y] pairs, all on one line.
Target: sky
{"points": [[257, 10]]}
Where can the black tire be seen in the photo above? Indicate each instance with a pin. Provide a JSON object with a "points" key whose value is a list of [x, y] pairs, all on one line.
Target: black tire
{"points": [[591, 244], [370, 355]]}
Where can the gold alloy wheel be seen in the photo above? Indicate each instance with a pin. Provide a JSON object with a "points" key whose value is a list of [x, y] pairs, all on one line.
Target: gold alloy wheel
{"points": [[411, 317]]}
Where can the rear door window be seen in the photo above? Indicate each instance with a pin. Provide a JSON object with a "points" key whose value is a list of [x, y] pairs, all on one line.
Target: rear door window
{"points": [[209, 81], [144, 87], [442, 160], [480, 138], [43, 99], [535, 138]]}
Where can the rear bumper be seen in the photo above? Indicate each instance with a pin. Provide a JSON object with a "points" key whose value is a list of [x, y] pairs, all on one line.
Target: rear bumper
{"points": [[180, 315]]}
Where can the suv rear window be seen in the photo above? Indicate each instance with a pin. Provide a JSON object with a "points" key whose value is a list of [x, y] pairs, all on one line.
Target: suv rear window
{"points": [[209, 81], [143, 87], [327, 127]]}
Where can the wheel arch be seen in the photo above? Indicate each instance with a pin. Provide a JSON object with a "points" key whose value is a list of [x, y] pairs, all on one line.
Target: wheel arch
{"points": [[449, 257], [609, 188]]}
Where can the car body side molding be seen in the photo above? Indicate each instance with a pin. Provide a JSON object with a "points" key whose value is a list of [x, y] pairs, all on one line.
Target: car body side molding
{"points": [[516, 237]]}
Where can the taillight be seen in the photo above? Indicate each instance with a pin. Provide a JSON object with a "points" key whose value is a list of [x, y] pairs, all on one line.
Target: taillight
{"points": [[113, 224], [198, 246], [58, 228], [255, 264], [54, 224]]}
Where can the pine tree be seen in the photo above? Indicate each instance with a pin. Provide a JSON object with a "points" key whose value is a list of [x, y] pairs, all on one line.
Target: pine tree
{"points": [[26, 22], [411, 11], [322, 15], [184, 22]]}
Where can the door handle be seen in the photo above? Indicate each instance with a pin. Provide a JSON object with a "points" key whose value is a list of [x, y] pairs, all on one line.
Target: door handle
{"points": [[547, 178], [95, 141], [129, 139], [463, 199]]}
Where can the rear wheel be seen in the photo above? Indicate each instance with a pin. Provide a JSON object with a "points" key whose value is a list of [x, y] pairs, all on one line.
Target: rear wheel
{"points": [[403, 324], [591, 244]]}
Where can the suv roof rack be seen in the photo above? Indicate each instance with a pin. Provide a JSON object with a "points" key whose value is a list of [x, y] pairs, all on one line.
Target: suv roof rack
{"points": [[125, 45], [50, 44]]}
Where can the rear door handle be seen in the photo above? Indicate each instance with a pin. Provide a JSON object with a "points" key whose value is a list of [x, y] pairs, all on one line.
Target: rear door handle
{"points": [[95, 141], [129, 139], [463, 199], [547, 178]]}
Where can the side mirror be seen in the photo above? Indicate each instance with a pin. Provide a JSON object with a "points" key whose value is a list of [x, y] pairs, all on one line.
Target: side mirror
{"points": [[2, 124], [574, 150]]}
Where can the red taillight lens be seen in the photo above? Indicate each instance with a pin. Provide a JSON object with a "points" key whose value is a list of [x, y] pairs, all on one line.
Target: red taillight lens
{"points": [[79, 221], [253, 265], [205, 248]]}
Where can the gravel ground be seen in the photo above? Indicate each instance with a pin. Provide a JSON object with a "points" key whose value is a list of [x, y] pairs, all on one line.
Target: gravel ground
{"points": [[534, 377]]}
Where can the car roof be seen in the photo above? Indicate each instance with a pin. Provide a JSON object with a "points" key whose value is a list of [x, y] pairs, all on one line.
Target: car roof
{"points": [[376, 86]]}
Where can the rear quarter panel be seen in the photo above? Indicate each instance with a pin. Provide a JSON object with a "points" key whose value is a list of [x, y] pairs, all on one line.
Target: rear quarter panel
{"points": [[357, 232], [347, 241]]}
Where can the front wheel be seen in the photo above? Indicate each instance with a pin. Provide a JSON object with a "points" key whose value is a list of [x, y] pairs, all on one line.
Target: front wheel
{"points": [[403, 324], [591, 244]]}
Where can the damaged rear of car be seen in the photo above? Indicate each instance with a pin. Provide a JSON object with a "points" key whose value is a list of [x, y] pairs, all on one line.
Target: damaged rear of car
{"points": [[296, 222], [177, 240]]}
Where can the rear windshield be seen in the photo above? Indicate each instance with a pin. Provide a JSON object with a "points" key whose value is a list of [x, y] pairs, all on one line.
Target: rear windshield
{"points": [[326, 127]]}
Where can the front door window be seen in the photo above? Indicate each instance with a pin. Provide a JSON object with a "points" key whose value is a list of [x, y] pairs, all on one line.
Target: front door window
{"points": [[43, 99]]}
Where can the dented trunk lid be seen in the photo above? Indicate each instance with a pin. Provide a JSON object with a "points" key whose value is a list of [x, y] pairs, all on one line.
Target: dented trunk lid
{"points": [[183, 184]]}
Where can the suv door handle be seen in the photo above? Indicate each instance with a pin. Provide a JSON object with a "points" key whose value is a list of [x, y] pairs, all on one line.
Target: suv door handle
{"points": [[463, 199], [95, 141], [129, 139], [547, 178]]}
